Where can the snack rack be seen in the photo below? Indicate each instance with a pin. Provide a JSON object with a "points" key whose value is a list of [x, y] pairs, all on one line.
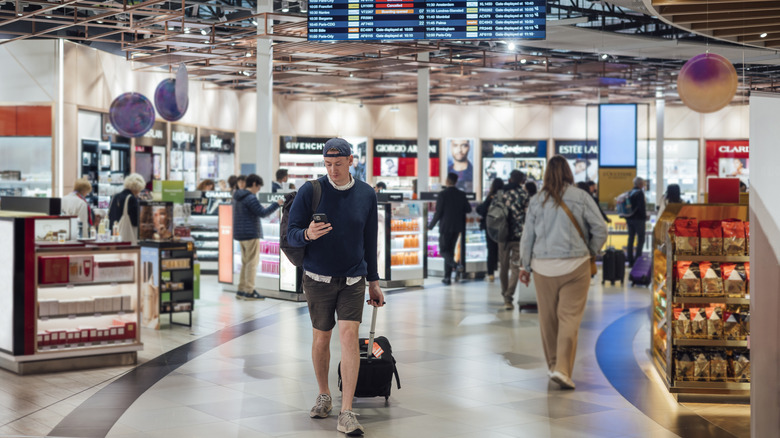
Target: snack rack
{"points": [[664, 345]]}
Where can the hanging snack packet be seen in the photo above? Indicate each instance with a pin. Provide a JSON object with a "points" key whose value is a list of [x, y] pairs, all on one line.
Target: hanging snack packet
{"points": [[734, 242], [688, 279], [741, 366], [745, 322], [683, 366], [699, 323], [747, 278], [701, 366], [747, 237], [733, 328], [711, 281], [734, 279], [682, 323], [686, 236], [719, 366], [714, 323], [710, 238]]}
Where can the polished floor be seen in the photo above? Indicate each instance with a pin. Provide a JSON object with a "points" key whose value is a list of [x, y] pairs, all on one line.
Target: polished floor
{"points": [[468, 368]]}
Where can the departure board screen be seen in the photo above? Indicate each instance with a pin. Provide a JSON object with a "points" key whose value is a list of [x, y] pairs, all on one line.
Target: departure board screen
{"points": [[354, 20]]}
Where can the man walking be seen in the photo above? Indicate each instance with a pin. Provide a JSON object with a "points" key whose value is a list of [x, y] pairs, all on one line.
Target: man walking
{"points": [[516, 199], [636, 220], [340, 258], [281, 181], [451, 209], [247, 212]]}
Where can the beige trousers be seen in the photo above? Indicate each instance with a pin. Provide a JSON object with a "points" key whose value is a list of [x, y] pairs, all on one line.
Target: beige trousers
{"points": [[250, 256], [561, 302], [509, 259]]}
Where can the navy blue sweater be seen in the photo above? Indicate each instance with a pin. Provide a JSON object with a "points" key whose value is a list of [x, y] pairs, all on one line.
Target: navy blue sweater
{"points": [[349, 249], [247, 212]]}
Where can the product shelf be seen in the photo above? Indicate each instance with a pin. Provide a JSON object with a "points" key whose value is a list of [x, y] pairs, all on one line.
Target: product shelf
{"points": [[82, 315], [731, 386], [95, 348], [406, 249], [713, 258], [710, 343], [91, 283], [398, 233], [707, 300]]}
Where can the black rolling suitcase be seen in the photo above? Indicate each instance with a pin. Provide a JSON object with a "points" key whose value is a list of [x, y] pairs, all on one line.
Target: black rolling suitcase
{"points": [[641, 273], [613, 266], [377, 366]]}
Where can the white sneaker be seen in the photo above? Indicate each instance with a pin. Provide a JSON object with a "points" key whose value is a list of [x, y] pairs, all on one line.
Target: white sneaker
{"points": [[562, 380], [348, 424]]}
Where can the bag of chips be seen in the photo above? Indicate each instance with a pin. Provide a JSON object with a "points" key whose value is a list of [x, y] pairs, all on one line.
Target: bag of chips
{"points": [[740, 365], [719, 366], [711, 281], [683, 366], [701, 366], [734, 279], [686, 236], [734, 242], [699, 323], [688, 279], [710, 238], [714, 323], [733, 327], [682, 323]]}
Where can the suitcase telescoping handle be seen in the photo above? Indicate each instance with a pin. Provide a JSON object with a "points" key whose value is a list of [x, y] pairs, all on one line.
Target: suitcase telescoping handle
{"points": [[370, 347]]}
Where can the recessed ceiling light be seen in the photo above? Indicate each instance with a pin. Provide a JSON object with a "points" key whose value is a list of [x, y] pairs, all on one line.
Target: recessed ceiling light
{"points": [[170, 28], [186, 30], [351, 75], [100, 22], [763, 35], [248, 54], [487, 85], [511, 46], [254, 22], [604, 56], [48, 16], [20, 14], [523, 61], [204, 31]]}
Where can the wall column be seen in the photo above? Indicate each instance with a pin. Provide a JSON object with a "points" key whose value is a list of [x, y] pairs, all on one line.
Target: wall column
{"points": [[660, 106], [423, 137], [265, 136]]}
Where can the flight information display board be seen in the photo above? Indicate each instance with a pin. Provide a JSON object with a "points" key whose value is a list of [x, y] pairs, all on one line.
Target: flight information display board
{"points": [[351, 20]]}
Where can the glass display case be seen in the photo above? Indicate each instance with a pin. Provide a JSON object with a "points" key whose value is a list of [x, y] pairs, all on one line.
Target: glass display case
{"points": [[681, 167], [204, 227], [26, 167], [474, 245], [401, 235]]}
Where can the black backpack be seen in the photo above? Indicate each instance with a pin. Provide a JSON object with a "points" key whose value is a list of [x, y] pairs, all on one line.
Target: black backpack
{"points": [[296, 253]]}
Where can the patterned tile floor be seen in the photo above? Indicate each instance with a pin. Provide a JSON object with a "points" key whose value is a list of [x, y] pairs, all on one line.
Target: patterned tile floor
{"points": [[467, 368]]}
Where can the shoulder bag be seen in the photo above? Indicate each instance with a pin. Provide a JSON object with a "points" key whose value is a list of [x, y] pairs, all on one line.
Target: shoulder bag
{"points": [[593, 268], [126, 229]]}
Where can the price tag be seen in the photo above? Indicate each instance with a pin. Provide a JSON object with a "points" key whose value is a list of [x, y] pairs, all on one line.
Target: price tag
{"points": [[72, 316], [69, 286], [44, 318], [97, 314], [114, 283], [120, 313]]}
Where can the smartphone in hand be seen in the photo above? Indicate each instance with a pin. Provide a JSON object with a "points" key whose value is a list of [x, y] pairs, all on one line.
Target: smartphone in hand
{"points": [[320, 218]]}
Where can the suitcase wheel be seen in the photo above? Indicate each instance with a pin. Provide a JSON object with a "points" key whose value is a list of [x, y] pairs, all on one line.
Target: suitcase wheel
{"points": [[387, 397]]}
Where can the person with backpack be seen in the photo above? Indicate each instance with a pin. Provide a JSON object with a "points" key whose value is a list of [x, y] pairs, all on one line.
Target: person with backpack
{"points": [[451, 209], [492, 245], [340, 237], [636, 220], [247, 230], [516, 199], [563, 230]]}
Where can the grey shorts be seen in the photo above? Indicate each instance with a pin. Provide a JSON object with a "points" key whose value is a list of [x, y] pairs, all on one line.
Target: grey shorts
{"points": [[325, 299]]}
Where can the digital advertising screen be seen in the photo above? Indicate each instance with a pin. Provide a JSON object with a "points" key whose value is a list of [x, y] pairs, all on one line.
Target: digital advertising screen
{"points": [[350, 20], [617, 135], [393, 157]]}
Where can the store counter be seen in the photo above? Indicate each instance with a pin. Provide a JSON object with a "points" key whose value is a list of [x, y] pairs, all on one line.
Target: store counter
{"points": [[402, 232], [474, 245]]}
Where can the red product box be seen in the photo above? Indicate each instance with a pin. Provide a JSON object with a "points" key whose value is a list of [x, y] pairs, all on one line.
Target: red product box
{"points": [[57, 337], [87, 333], [112, 334], [122, 270], [130, 330], [39, 338], [53, 269], [99, 335]]}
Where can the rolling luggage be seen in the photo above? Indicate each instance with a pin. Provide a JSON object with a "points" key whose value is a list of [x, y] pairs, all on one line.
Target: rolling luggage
{"points": [[377, 366], [613, 266], [642, 272]]}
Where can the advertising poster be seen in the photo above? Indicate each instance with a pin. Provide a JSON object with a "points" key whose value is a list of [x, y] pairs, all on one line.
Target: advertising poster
{"points": [[150, 288], [500, 157], [613, 182], [155, 221], [460, 160], [183, 155], [389, 166], [404, 152], [381, 260], [728, 159], [225, 244], [583, 158]]}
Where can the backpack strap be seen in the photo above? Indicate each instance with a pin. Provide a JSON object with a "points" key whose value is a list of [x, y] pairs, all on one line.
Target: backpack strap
{"points": [[316, 194]]}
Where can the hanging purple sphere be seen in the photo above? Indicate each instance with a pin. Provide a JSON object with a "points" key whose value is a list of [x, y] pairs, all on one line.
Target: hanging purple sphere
{"points": [[132, 114], [166, 102], [707, 83]]}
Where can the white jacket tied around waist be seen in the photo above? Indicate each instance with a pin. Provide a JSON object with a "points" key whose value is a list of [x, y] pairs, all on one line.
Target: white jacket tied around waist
{"points": [[550, 234]]}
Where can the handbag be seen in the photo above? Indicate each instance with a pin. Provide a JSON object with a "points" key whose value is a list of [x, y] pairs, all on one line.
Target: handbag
{"points": [[593, 268], [126, 229]]}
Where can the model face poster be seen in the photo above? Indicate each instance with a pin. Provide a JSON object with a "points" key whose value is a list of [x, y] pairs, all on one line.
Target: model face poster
{"points": [[150, 288], [359, 157], [460, 161], [728, 159], [583, 158], [156, 221]]}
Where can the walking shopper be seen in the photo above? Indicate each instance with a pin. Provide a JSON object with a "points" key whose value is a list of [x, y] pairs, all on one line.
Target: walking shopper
{"points": [[492, 245], [516, 199], [340, 258], [451, 209], [563, 228], [247, 212], [636, 220]]}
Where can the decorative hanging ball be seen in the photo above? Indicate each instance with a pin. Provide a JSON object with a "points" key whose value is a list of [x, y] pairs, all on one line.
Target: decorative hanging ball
{"points": [[707, 83], [132, 114], [166, 100]]}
